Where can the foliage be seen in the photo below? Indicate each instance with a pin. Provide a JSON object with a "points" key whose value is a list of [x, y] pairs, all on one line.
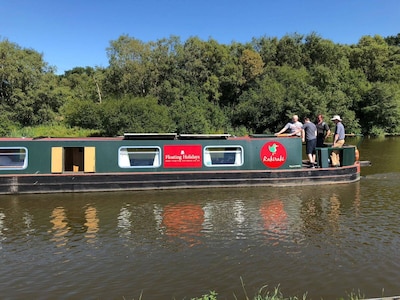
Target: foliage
{"points": [[265, 294], [193, 113], [6, 125], [211, 296], [198, 86], [134, 115], [83, 113], [381, 108], [29, 89], [52, 131], [393, 40], [261, 105]]}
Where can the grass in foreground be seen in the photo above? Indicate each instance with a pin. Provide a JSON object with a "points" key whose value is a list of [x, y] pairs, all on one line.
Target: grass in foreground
{"points": [[276, 294], [265, 294]]}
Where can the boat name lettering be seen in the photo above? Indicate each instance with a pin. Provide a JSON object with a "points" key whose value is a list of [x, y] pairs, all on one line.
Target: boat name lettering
{"points": [[273, 154], [273, 158], [183, 157]]}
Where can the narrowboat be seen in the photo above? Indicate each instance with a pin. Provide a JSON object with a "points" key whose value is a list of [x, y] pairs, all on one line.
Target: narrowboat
{"points": [[164, 161]]}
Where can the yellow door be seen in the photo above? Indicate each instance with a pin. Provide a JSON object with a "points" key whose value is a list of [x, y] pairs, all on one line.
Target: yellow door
{"points": [[90, 159], [57, 160]]}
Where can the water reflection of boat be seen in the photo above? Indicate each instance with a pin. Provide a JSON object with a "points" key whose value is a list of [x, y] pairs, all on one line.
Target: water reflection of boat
{"points": [[275, 218], [238, 214], [92, 223], [184, 221], [3, 228], [163, 161], [60, 227]]}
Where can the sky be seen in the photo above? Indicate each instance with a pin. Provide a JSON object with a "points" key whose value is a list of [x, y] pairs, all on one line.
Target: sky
{"points": [[76, 33]]}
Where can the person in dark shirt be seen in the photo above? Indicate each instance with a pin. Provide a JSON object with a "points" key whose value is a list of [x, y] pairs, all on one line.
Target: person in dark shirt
{"points": [[323, 131], [309, 136]]}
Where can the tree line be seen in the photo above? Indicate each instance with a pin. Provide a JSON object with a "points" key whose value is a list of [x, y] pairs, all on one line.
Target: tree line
{"points": [[198, 86]]}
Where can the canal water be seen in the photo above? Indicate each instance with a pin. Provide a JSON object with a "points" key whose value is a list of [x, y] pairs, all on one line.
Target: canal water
{"points": [[324, 241]]}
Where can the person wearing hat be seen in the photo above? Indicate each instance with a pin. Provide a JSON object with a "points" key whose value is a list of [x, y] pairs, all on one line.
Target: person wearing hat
{"points": [[338, 140]]}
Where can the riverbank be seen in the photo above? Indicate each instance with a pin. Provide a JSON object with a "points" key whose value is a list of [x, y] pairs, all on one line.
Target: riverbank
{"points": [[277, 295]]}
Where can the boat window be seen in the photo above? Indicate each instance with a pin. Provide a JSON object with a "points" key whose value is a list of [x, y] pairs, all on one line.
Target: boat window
{"points": [[223, 156], [13, 158], [139, 157]]}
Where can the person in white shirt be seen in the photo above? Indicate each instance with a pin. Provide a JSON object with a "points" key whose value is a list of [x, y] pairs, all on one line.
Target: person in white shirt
{"points": [[294, 127]]}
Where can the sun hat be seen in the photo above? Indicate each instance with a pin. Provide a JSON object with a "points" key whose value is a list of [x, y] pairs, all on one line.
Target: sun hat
{"points": [[336, 117]]}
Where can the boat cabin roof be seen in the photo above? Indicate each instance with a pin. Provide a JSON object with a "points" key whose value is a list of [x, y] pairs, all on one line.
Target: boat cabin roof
{"points": [[129, 136], [150, 136], [173, 136]]}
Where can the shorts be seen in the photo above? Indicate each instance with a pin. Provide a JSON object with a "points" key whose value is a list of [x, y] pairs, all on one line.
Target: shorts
{"points": [[310, 146]]}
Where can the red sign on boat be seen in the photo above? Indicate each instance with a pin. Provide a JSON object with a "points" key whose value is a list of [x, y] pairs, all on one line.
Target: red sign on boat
{"points": [[273, 154], [182, 156]]}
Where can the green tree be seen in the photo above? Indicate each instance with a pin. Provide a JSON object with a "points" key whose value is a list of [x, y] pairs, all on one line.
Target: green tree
{"points": [[204, 64], [29, 88], [290, 51], [135, 115], [318, 51], [260, 108], [129, 61], [83, 113], [193, 113], [164, 78], [393, 65], [84, 83], [393, 40], [252, 64], [381, 108], [267, 48], [371, 54], [297, 84]]}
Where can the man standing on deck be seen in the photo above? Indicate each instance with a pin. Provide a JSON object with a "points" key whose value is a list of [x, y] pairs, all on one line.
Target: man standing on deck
{"points": [[323, 131], [309, 136], [338, 140]]}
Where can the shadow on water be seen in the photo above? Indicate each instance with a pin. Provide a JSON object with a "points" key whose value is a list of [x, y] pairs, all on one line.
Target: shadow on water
{"points": [[327, 241]]}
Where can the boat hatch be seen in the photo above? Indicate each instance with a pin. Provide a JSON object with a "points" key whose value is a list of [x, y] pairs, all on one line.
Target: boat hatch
{"points": [[73, 159]]}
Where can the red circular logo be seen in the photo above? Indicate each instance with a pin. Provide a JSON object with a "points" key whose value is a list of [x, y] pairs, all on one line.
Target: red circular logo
{"points": [[273, 154]]}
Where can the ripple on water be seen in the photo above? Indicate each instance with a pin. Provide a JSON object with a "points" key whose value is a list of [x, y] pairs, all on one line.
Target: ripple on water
{"points": [[326, 241]]}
